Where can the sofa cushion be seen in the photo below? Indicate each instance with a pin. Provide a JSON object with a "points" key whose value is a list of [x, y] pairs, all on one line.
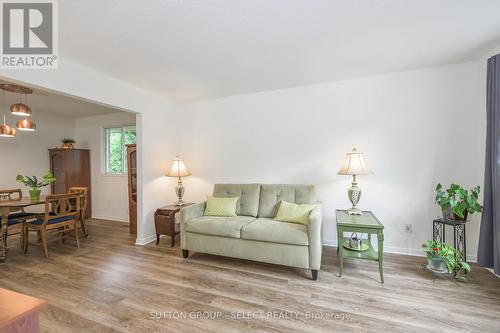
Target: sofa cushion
{"points": [[271, 196], [268, 230], [248, 204], [218, 225], [295, 213], [217, 206]]}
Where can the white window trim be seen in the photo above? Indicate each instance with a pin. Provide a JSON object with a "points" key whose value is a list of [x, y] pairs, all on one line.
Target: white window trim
{"points": [[105, 145]]}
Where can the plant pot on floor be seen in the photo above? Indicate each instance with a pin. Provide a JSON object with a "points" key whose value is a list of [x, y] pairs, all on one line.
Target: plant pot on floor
{"points": [[437, 264], [35, 194]]}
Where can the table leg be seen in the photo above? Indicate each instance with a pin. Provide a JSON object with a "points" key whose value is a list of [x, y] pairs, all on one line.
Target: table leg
{"points": [[380, 238], [4, 212], [340, 248]]}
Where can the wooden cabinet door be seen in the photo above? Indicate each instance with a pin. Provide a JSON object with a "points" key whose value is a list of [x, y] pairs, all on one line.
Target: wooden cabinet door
{"points": [[58, 168]]}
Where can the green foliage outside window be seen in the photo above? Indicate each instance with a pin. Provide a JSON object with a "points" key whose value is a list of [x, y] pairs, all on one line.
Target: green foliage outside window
{"points": [[116, 139]]}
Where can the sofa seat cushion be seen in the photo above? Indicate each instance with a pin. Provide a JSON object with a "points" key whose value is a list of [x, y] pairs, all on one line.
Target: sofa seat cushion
{"points": [[219, 225], [268, 230]]}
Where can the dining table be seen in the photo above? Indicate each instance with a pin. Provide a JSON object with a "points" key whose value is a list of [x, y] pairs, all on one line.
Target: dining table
{"points": [[7, 207]]}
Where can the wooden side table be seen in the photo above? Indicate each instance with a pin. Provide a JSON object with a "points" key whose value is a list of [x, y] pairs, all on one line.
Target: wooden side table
{"points": [[19, 313], [368, 224], [165, 222]]}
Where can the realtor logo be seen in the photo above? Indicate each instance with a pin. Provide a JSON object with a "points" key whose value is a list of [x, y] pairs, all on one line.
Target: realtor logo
{"points": [[29, 34]]}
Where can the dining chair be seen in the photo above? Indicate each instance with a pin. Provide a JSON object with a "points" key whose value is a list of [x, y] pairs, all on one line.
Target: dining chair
{"points": [[61, 219], [84, 191], [16, 219]]}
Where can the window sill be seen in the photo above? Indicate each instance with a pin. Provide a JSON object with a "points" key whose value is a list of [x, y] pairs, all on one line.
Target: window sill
{"points": [[114, 175]]}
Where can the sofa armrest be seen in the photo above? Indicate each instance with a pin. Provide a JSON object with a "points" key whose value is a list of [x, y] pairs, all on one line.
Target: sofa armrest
{"points": [[187, 213], [315, 237]]}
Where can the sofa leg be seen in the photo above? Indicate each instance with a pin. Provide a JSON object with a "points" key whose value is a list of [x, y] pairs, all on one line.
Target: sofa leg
{"points": [[314, 274], [185, 253]]}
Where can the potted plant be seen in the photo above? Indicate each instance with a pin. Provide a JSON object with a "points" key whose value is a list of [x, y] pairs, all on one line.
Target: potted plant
{"points": [[68, 143], [456, 202], [35, 185], [442, 257]]}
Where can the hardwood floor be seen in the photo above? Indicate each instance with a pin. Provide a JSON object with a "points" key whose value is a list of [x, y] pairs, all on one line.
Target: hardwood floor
{"points": [[110, 285]]}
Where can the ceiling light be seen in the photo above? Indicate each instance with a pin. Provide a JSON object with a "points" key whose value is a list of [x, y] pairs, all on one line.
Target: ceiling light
{"points": [[20, 109], [26, 125], [6, 131]]}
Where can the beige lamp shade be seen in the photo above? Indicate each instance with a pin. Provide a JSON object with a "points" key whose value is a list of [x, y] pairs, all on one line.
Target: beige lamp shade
{"points": [[178, 168], [354, 164]]}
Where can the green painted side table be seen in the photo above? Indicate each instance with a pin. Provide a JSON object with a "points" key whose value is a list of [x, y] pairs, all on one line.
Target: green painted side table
{"points": [[368, 224]]}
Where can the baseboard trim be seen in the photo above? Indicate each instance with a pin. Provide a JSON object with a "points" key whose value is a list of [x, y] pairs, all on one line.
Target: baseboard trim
{"points": [[400, 250], [112, 218], [144, 241]]}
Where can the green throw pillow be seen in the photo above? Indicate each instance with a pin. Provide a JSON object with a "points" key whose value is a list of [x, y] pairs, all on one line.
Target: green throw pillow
{"points": [[221, 206], [295, 213]]}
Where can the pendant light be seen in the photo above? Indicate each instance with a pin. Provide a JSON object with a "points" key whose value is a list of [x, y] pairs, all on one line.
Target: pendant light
{"points": [[21, 109], [26, 125], [5, 130]]}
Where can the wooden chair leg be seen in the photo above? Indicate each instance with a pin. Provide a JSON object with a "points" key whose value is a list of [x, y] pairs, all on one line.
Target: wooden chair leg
{"points": [[26, 239], [43, 235], [77, 237], [84, 226]]}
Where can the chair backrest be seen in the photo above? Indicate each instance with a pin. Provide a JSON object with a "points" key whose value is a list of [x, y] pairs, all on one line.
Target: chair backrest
{"points": [[84, 191], [58, 206], [14, 194]]}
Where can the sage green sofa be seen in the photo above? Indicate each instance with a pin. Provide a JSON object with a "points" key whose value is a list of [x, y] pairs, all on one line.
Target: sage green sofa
{"points": [[253, 234]]}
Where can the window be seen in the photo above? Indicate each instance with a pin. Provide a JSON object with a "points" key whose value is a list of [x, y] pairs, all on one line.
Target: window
{"points": [[115, 152]]}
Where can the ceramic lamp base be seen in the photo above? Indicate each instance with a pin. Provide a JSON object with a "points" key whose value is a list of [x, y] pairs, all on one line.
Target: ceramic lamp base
{"points": [[354, 211], [354, 194]]}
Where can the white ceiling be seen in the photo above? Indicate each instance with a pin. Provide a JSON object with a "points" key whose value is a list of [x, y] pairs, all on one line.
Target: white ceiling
{"points": [[47, 102], [190, 50]]}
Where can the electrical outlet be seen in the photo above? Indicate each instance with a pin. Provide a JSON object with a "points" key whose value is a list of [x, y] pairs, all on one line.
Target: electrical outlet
{"points": [[408, 228]]}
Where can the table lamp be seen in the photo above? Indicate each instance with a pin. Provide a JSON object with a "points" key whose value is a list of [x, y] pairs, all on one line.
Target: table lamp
{"points": [[354, 165], [178, 169]]}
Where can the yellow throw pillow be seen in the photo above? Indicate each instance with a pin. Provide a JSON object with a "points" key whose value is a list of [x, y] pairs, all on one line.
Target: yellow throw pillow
{"points": [[295, 213], [221, 206]]}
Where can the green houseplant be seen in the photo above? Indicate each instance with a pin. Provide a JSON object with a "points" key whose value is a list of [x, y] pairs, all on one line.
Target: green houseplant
{"points": [[35, 185], [442, 256], [458, 201]]}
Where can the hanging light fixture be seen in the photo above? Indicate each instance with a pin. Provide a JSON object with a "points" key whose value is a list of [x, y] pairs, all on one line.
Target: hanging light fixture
{"points": [[6, 131], [26, 125], [21, 109]]}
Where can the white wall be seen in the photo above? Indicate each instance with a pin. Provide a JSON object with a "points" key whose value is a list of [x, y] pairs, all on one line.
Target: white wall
{"points": [[417, 128], [27, 153], [109, 192]]}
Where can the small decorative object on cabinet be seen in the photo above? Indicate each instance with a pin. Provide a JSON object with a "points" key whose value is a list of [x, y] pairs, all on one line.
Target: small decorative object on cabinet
{"points": [[354, 165], [165, 222], [366, 223], [178, 170], [68, 143], [71, 168], [132, 186]]}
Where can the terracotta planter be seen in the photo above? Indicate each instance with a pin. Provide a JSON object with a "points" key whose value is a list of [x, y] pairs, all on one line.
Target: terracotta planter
{"points": [[67, 146]]}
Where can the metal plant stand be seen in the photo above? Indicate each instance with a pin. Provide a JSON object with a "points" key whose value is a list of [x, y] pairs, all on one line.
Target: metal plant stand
{"points": [[459, 240]]}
